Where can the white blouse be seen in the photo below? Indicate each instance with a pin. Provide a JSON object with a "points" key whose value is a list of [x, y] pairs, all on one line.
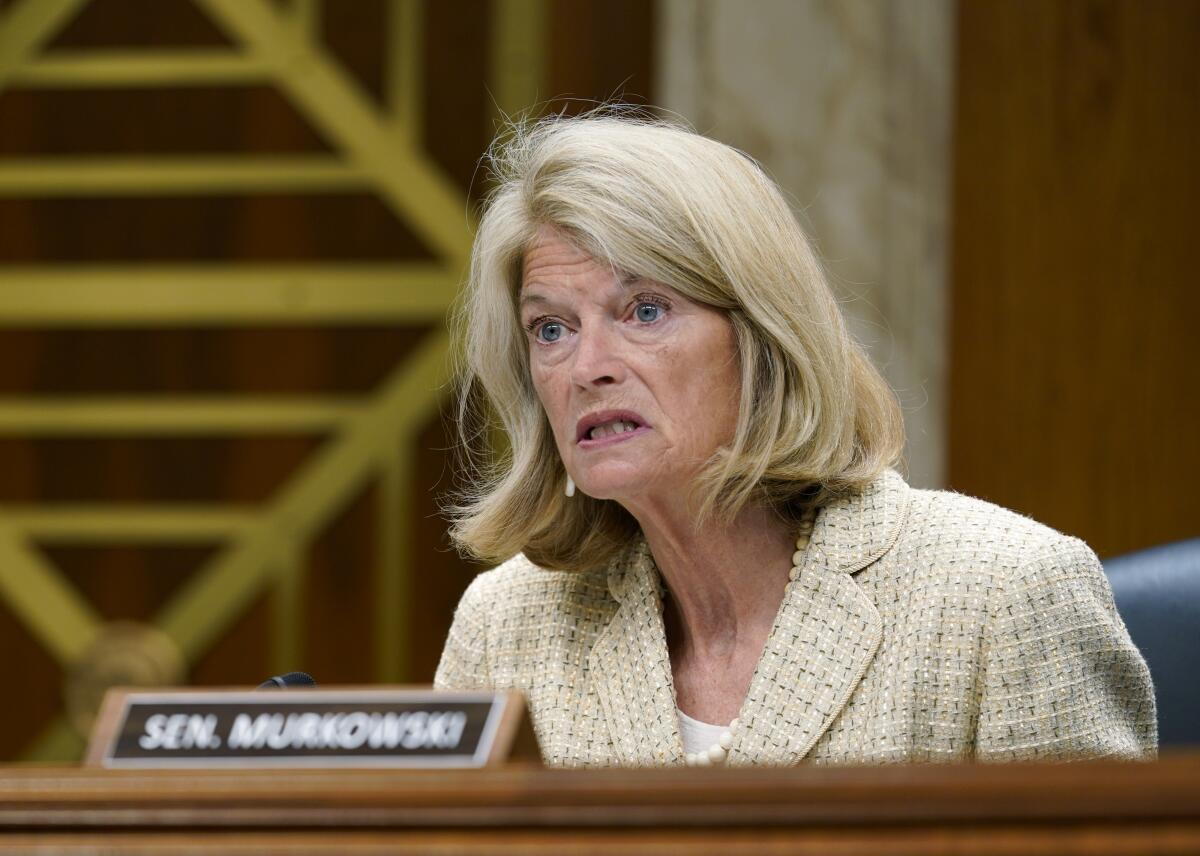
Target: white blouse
{"points": [[698, 736]]}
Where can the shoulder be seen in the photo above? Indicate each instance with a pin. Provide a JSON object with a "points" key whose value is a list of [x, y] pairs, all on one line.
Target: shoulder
{"points": [[962, 557], [951, 528], [1034, 575], [509, 617], [519, 587]]}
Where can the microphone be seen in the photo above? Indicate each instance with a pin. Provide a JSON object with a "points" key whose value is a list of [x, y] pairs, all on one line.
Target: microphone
{"points": [[291, 679]]}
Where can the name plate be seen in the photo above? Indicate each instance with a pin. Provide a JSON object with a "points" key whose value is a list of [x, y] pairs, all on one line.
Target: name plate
{"points": [[352, 727]]}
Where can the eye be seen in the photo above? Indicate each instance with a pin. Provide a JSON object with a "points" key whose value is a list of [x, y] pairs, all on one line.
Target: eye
{"points": [[550, 331], [648, 312]]}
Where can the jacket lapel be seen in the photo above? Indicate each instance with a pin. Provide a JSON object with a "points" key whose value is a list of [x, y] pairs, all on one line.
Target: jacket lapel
{"points": [[631, 669], [825, 636], [826, 633]]}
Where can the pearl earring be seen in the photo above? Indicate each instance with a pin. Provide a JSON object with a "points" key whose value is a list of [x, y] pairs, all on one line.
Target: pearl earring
{"points": [[570, 486]]}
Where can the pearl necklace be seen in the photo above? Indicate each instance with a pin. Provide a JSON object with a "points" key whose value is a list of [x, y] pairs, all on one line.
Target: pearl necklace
{"points": [[717, 753]]}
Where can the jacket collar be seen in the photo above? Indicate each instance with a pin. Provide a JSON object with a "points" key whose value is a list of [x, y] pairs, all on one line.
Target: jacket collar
{"points": [[825, 635], [857, 530]]}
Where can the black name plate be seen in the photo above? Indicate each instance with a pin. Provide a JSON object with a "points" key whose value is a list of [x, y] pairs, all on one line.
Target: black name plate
{"points": [[304, 728]]}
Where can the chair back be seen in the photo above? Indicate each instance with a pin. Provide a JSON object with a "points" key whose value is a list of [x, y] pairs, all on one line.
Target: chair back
{"points": [[1158, 595]]}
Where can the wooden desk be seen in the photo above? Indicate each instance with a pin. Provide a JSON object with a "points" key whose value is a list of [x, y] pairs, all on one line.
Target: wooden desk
{"points": [[1095, 808]]}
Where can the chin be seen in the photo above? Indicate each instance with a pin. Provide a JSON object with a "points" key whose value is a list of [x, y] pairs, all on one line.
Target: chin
{"points": [[627, 494], [629, 480], [601, 491], [615, 489]]}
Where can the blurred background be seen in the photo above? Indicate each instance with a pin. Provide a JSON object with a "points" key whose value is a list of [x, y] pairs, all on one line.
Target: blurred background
{"points": [[230, 231]]}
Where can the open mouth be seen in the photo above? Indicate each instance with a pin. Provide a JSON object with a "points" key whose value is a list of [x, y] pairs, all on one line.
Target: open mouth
{"points": [[601, 426], [610, 428]]}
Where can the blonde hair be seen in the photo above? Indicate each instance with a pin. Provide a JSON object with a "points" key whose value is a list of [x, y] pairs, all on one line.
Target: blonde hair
{"points": [[815, 419]]}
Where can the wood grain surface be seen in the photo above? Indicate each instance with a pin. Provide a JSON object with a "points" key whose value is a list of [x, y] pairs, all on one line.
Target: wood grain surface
{"points": [[1074, 382], [1098, 807]]}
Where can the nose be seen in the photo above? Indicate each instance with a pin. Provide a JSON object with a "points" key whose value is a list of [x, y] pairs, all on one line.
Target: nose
{"points": [[597, 359]]}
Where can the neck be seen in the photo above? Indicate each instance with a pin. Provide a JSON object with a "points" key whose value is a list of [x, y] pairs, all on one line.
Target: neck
{"points": [[725, 582]]}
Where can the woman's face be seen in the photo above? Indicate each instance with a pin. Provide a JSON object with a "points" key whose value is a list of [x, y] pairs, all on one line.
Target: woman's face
{"points": [[639, 383]]}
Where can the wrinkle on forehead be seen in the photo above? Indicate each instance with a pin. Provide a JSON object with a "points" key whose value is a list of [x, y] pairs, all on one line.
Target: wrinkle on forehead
{"points": [[552, 254]]}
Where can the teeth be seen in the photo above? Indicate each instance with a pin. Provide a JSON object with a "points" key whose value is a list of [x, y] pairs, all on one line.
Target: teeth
{"points": [[601, 431]]}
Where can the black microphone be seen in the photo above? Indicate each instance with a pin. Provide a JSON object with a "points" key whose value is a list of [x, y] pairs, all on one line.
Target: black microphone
{"points": [[291, 679]]}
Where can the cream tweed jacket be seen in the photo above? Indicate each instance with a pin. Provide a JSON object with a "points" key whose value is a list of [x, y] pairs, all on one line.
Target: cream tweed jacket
{"points": [[923, 626]]}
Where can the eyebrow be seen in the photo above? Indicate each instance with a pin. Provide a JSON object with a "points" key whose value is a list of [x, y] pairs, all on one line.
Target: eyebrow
{"points": [[526, 299], [626, 278]]}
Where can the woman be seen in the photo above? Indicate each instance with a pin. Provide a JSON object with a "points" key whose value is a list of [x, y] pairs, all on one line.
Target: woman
{"points": [[706, 556]]}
